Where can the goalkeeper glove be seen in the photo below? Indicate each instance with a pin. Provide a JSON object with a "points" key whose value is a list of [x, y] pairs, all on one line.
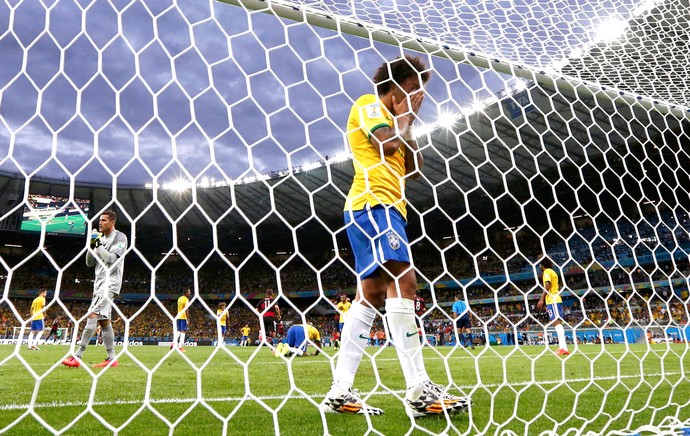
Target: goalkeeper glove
{"points": [[95, 239]]}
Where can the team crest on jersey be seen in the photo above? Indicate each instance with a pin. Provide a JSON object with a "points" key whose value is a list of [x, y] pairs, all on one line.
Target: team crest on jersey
{"points": [[120, 245], [373, 110], [393, 240]]}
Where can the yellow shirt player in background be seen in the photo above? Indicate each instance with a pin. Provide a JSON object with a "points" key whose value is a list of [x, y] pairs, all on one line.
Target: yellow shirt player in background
{"points": [[551, 296], [245, 335], [37, 318], [298, 337], [181, 319], [223, 321], [343, 306]]}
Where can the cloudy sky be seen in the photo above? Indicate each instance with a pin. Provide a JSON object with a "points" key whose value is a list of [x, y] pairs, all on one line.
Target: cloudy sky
{"points": [[159, 89]]}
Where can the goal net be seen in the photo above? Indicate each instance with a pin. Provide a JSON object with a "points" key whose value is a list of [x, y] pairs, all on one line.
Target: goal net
{"points": [[218, 133]]}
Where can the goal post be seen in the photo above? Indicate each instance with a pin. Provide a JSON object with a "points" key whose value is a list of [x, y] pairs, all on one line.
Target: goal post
{"points": [[217, 131]]}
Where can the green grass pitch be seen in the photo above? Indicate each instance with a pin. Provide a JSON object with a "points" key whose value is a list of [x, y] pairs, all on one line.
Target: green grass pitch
{"points": [[526, 390], [57, 225]]}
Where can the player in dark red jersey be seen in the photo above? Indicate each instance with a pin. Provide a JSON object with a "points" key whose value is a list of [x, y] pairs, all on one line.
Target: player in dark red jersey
{"points": [[270, 312], [419, 310], [54, 329]]}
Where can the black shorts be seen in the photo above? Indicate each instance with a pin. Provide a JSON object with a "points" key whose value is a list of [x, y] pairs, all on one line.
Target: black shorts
{"points": [[463, 322], [270, 323]]}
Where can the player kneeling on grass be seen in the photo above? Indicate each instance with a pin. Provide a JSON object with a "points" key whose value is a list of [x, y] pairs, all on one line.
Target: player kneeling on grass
{"points": [[297, 341], [106, 253], [385, 156]]}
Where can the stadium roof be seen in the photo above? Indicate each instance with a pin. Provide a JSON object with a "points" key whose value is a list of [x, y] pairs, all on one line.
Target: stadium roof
{"points": [[506, 161], [651, 58]]}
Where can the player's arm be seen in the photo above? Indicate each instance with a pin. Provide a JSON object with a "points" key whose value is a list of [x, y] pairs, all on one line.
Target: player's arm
{"points": [[117, 250], [390, 138], [107, 257], [547, 288], [414, 161], [277, 308], [317, 344], [90, 260]]}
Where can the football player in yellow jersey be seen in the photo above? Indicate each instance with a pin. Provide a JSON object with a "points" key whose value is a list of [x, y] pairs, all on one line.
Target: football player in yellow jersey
{"points": [[182, 320], [385, 155], [343, 306], [245, 335], [551, 296], [37, 318], [223, 321]]}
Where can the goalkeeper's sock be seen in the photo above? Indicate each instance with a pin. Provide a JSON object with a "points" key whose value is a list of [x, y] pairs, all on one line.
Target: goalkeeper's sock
{"points": [[560, 332], [403, 330], [461, 339], [469, 337], [109, 341], [31, 340], [182, 335], [354, 339], [86, 336], [38, 337]]}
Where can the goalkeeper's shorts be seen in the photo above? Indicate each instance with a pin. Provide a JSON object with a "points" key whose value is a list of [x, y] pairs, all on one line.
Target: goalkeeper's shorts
{"points": [[102, 304]]}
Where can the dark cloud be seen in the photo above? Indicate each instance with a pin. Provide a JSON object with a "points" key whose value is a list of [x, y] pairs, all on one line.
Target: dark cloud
{"points": [[161, 88]]}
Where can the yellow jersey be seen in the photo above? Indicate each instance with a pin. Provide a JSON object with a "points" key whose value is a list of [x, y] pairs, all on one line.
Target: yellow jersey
{"points": [[553, 295], [37, 308], [378, 178], [343, 307], [223, 316], [245, 331], [182, 304], [313, 334]]}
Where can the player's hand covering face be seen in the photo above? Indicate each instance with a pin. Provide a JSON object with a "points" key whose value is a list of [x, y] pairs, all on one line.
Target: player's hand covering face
{"points": [[408, 97]]}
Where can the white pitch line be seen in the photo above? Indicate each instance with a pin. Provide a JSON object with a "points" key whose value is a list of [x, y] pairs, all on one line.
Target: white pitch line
{"points": [[395, 359], [464, 388]]}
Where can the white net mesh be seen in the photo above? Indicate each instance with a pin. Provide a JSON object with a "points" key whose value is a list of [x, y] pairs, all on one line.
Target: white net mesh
{"points": [[217, 132]]}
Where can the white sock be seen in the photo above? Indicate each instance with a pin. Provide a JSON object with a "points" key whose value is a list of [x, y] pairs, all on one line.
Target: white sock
{"points": [[355, 336], [297, 351], [560, 332], [182, 334], [176, 337], [403, 331], [31, 339], [38, 336]]}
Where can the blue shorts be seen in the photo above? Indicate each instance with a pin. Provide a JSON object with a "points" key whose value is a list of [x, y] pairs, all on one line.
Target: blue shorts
{"points": [[463, 322], [555, 311], [36, 325], [296, 337], [340, 326], [181, 325], [245, 338], [377, 235], [222, 330]]}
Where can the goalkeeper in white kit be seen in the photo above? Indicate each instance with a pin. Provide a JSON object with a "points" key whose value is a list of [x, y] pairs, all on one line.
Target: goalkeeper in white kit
{"points": [[106, 252]]}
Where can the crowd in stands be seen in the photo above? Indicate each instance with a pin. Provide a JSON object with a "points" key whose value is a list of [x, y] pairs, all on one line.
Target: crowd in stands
{"points": [[615, 294]]}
